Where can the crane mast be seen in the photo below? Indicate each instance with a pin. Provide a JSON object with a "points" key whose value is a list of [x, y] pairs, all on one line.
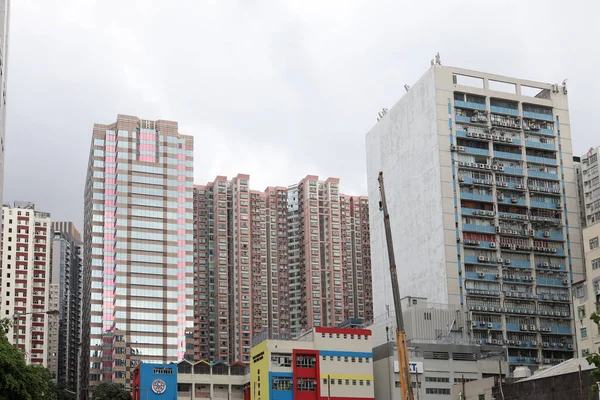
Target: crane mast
{"points": [[404, 368]]}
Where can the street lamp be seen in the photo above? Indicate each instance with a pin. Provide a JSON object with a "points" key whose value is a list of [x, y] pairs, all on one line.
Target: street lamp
{"points": [[16, 316]]}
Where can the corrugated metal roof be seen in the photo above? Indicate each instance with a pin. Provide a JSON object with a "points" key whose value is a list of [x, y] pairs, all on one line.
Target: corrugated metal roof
{"points": [[563, 368]]}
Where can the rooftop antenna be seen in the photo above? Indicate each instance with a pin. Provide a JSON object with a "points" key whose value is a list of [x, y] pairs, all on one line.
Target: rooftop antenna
{"points": [[381, 114], [406, 87], [438, 61], [432, 64]]}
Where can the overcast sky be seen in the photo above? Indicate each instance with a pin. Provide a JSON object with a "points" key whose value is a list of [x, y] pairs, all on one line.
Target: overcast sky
{"points": [[277, 89]]}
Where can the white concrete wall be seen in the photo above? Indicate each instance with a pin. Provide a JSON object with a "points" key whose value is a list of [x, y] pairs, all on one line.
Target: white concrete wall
{"points": [[405, 146]]}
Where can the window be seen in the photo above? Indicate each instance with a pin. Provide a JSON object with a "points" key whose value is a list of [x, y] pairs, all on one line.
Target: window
{"points": [[585, 352], [305, 361], [306, 385], [594, 243], [282, 383], [583, 332], [436, 379], [437, 391], [579, 292], [482, 397], [581, 312], [596, 263]]}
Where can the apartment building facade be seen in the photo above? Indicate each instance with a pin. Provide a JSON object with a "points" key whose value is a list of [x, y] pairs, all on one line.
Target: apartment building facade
{"points": [[590, 186], [66, 296], [321, 363], [25, 279], [481, 190], [138, 232], [586, 294], [275, 262]]}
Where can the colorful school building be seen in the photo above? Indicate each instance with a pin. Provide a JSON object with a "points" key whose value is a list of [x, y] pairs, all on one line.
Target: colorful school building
{"points": [[322, 364]]}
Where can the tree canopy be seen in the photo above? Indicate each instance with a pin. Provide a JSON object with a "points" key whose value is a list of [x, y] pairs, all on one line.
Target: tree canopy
{"points": [[110, 391]]}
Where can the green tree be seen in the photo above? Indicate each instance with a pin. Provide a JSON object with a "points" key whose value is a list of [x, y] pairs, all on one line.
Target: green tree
{"points": [[18, 380], [110, 391], [594, 358]]}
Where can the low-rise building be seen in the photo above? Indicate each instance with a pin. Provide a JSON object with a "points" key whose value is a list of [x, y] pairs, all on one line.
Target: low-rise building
{"points": [[215, 381], [442, 351], [323, 363], [154, 382]]}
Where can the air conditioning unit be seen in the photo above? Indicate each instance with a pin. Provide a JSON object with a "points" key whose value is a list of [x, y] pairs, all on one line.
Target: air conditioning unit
{"points": [[509, 140], [501, 168], [482, 166], [453, 147], [481, 258], [469, 134], [533, 343], [507, 261], [565, 282], [493, 245], [559, 205], [518, 344], [478, 341], [569, 346], [513, 200], [499, 260], [502, 139], [461, 148], [554, 250], [546, 233], [523, 327], [512, 277], [474, 324], [461, 163], [495, 168], [532, 327], [481, 274], [490, 325], [487, 259], [488, 166], [545, 264], [546, 344]]}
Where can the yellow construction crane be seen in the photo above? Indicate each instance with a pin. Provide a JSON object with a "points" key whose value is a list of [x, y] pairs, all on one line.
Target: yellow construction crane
{"points": [[404, 368]]}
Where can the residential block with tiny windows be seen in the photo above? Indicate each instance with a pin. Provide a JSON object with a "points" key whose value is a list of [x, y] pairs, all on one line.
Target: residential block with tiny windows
{"points": [[483, 205]]}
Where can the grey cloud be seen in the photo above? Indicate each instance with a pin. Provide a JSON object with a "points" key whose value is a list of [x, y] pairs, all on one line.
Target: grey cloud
{"points": [[278, 89]]}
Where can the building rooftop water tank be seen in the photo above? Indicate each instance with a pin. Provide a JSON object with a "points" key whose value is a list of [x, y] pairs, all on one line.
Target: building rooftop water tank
{"points": [[522, 372]]}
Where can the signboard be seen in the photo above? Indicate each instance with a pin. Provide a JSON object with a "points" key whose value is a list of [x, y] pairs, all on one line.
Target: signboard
{"points": [[416, 367]]}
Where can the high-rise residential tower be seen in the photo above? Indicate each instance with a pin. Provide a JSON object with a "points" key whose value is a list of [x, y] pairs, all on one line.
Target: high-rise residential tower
{"points": [[590, 186], [265, 261], [4, 36], [66, 295], [483, 204], [25, 279], [138, 231]]}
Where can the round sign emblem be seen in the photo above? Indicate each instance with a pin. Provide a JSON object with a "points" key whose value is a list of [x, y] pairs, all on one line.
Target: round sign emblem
{"points": [[159, 386]]}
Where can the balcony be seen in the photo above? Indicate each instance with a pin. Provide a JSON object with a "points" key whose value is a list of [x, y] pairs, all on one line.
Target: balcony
{"points": [[518, 264], [551, 282], [473, 150], [506, 215], [511, 156], [543, 175], [541, 160], [505, 110], [481, 292], [512, 171], [469, 104], [461, 118], [486, 325], [546, 131], [543, 204], [512, 200], [479, 228], [522, 360], [561, 330], [461, 134], [538, 145], [549, 235], [536, 115], [477, 197], [471, 211], [479, 276]]}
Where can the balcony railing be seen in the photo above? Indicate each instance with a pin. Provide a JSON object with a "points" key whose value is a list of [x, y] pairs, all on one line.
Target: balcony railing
{"points": [[536, 115], [543, 204], [543, 175], [478, 228], [541, 160], [538, 145], [513, 171], [474, 150], [505, 110], [511, 156], [477, 197], [469, 104], [509, 200]]}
